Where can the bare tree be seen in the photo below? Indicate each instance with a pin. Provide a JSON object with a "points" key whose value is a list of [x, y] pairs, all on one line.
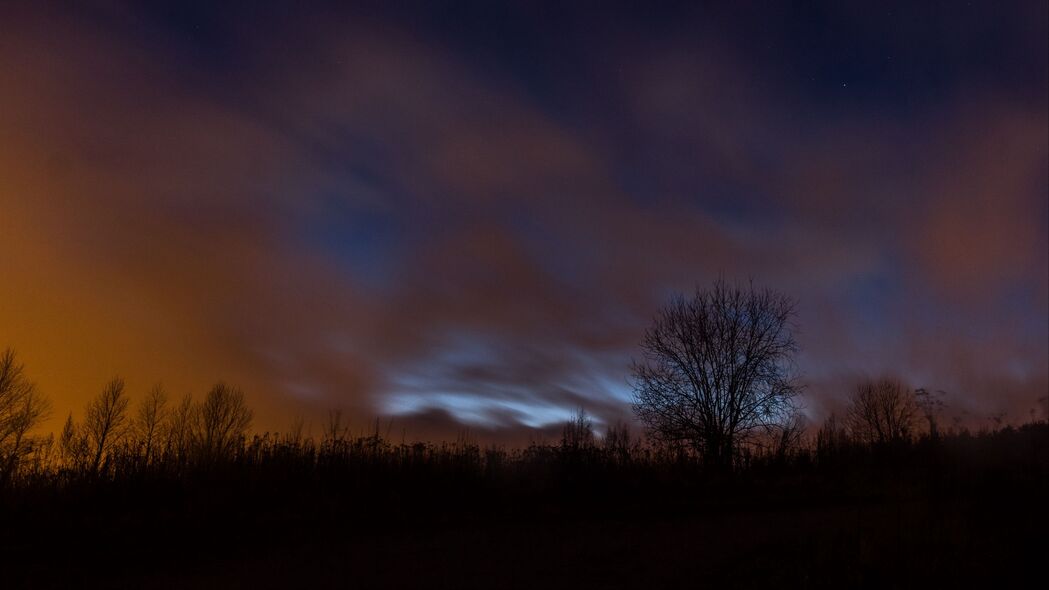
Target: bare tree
{"points": [[106, 422], [931, 405], [578, 433], [618, 442], [220, 421], [718, 370], [22, 408], [880, 411], [76, 450], [179, 435], [787, 438], [831, 437], [151, 421]]}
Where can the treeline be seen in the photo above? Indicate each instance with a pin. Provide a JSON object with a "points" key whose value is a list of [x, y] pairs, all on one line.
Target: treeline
{"points": [[163, 488], [116, 438], [113, 437], [727, 485]]}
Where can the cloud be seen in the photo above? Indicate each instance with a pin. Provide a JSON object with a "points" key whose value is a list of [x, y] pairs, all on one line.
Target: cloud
{"points": [[983, 224], [344, 212]]}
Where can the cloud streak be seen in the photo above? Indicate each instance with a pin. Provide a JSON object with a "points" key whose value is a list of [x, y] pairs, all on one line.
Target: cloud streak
{"points": [[342, 210]]}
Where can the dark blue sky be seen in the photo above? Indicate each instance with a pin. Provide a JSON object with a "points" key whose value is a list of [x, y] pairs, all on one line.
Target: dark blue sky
{"points": [[466, 213]]}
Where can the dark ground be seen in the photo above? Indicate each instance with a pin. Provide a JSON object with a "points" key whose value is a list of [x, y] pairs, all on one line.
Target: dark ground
{"points": [[971, 512]]}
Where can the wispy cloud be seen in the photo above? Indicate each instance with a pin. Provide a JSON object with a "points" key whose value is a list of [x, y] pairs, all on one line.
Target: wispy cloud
{"points": [[347, 211]]}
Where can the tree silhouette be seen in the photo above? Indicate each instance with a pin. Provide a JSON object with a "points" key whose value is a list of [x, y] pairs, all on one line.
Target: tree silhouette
{"points": [[787, 437], [578, 433], [179, 435], [931, 405], [21, 409], [220, 421], [831, 437], [151, 421], [717, 370], [75, 448], [106, 421], [618, 442], [880, 411]]}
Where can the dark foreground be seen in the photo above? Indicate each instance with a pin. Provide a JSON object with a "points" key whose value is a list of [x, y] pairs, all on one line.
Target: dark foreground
{"points": [[960, 512]]}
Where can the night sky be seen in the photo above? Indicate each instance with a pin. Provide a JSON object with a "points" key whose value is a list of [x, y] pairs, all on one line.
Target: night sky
{"points": [[465, 214]]}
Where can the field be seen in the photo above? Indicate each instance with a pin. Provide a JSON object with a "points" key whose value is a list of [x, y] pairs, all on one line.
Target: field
{"points": [[362, 512]]}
